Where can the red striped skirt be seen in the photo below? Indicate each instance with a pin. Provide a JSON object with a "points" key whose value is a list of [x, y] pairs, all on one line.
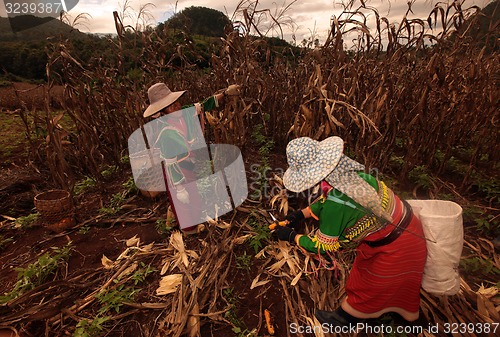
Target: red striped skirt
{"points": [[389, 275]]}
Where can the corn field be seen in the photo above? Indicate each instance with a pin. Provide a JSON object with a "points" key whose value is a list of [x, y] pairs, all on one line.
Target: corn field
{"points": [[400, 92], [406, 95]]}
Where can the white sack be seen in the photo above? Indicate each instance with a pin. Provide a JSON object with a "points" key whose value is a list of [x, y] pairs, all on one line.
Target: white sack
{"points": [[443, 228]]}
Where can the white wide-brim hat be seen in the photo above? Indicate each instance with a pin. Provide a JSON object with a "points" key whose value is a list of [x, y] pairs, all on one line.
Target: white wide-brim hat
{"points": [[160, 96], [310, 161]]}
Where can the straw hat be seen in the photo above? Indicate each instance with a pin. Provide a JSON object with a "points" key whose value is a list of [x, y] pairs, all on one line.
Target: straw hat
{"points": [[160, 96], [311, 161]]}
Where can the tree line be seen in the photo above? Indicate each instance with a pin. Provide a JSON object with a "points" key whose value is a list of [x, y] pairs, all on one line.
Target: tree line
{"points": [[23, 55]]}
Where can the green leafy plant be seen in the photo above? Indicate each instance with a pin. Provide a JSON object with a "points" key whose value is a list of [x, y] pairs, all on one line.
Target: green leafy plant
{"points": [[113, 299], [84, 229], [490, 188], [125, 160], [140, 275], [420, 176], [130, 187], [265, 147], [109, 171], [114, 205], [93, 328], [476, 264], [36, 273], [4, 241], [26, 221], [262, 234], [239, 327], [484, 222], [84, 184], [244, 261], [162, 228]]}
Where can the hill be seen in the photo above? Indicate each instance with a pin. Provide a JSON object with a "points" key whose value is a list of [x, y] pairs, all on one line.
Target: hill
{"points": [[22, 53], [30, 28]]}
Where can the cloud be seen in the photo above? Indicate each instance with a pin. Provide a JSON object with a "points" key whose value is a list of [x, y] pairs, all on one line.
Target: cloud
{"points": [[309, 16]]}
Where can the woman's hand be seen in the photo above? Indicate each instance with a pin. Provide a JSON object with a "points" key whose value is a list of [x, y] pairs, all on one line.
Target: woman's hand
{"points": [[182, 195], [284, 233], [295, 218]]}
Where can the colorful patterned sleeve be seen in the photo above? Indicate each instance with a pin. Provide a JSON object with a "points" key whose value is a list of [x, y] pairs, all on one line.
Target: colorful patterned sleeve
{"points": [[334, 212], [305, 241], [210, 103]]}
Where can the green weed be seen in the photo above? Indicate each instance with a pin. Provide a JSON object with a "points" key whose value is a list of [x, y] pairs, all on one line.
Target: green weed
{"points": [[114, 299], [130, 187], [478, 265], [140, 275], [239, 327], [262, 234], [37, 273], [125, 160], [4, 241], [83, 185], [114, 205], [490, 188], [87, 328], [420, 176], [109, 171], [265, 148], [162, 228], [397, 161], [484, 222], [244, 261], [27, 221], [84, 229]]}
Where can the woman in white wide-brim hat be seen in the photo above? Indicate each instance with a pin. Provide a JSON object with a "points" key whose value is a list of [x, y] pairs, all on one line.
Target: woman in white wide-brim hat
{"points": [[356, 207], [174, 141]]}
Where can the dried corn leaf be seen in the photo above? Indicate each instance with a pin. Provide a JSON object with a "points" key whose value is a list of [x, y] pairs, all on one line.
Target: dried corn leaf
{"points": [[124, 254], [129, 270], [487, 308], [169, 284], [296, 279], [166, 265], [147, 248], [240, 240], [261, 254], [134, 241], [487, 292], [177, 242], [106, 262], [277, 266], [308, 114], [223, 225], [313, 323], [256, 283], [193, 322]]}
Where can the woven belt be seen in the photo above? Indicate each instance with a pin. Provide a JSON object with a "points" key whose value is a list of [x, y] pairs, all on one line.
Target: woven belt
{"points": [[399, 228]]}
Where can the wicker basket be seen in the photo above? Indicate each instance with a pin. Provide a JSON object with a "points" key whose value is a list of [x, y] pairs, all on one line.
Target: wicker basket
{"points": [[54, 205]]}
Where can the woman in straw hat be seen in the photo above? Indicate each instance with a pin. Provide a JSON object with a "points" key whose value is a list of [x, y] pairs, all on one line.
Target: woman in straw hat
{"points": [[356, 207], [174, 139]]}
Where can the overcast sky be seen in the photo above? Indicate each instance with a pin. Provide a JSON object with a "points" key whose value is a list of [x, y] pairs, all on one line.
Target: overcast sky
{"points": [[309, 16]]}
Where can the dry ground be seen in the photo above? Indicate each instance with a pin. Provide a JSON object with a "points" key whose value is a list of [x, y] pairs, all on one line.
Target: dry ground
{"points": [[226, 286]]}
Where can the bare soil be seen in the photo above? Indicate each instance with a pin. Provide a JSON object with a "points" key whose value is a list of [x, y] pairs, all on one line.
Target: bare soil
{"points": [[95, 236], [92, 238]]}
